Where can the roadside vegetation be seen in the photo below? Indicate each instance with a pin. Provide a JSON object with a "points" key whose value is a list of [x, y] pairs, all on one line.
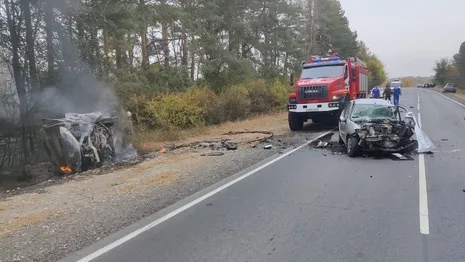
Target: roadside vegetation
{"points": [[451, 70], [174, 64]]}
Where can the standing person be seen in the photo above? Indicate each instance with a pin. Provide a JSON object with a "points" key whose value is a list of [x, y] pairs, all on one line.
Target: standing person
{"points": [[397, 92], [375, 92], [387, 92]]}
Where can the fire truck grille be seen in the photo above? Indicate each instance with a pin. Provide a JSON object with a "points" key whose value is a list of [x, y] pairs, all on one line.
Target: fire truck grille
{"points": [[313, 92]]}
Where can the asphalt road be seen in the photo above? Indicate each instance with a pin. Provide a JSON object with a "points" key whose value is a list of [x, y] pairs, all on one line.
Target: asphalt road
{"points": [[311, 205]]}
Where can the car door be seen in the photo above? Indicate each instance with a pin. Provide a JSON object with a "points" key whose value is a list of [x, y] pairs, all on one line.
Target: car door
{"points": [[343, 121]]}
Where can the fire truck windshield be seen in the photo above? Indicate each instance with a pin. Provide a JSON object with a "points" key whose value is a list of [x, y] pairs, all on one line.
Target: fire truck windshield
{"points": [[322, 71]]}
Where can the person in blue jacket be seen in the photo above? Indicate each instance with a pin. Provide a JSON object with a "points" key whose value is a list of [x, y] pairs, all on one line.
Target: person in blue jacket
{"points": [[376, 92], [396, 93]]}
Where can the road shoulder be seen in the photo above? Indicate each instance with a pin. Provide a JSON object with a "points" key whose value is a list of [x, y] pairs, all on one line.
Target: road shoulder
{"points": [[46, 222]]}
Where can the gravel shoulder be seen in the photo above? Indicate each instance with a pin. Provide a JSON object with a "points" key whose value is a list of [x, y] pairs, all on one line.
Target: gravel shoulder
{"points": [[46, 222]]}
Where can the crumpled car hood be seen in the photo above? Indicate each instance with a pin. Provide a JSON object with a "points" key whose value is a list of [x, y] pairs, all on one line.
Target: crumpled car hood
{"points": [[386, 135]]}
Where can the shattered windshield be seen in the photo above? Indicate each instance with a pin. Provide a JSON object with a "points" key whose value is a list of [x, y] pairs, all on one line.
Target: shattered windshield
{"points": [[370, 112]]}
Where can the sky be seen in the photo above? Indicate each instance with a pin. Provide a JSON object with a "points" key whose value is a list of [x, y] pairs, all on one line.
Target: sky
{"points": [[408, 35]]}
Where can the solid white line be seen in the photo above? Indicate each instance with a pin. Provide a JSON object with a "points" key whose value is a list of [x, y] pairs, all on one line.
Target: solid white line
{"points": [[458, 103], [189, 205], [423, 190], [424, 217]]}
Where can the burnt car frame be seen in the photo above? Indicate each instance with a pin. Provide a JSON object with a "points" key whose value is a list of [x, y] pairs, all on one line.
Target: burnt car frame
{"points": [[375, 125], [78, 142]]}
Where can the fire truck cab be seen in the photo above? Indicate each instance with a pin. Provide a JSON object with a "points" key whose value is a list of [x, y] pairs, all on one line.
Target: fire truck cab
{"points": [[324, 87]]}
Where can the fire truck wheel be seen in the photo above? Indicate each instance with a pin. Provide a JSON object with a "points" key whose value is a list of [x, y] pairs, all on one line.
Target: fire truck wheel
{"points": [[352, 146], [296, 122]]}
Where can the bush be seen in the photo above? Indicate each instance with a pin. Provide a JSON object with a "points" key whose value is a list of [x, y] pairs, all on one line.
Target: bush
{"points": [[173, 111], [280, 93], [200, 105], [208, 101], [260, 96], [234, 103]]}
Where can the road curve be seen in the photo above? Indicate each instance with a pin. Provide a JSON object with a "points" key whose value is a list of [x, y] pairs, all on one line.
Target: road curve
{"points": [[311, 205]]}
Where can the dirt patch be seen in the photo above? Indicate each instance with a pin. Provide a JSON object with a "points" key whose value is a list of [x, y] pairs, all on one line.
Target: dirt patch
{"points": [[161, 179]]}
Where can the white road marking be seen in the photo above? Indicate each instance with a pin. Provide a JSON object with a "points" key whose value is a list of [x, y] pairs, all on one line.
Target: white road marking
{"points": [[423, 189], [143, 229], [458, 103], [424, 216]]}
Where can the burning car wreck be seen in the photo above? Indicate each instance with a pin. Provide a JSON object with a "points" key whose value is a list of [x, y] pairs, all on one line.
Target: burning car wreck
{"points": [[79, 142], [375, 125]]}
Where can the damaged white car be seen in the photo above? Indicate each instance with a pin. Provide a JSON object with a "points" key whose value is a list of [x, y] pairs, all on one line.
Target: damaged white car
{"points": [[375, 125]]}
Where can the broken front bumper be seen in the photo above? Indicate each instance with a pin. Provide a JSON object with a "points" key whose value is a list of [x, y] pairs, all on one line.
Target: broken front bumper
{"points": [[386, 136]]}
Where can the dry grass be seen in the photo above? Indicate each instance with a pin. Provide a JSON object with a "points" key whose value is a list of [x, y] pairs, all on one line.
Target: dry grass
{"points": [[18, 223], [149, 141]]}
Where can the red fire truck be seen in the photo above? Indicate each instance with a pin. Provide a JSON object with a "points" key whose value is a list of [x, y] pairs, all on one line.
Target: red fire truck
{"points": [[323, 89]]}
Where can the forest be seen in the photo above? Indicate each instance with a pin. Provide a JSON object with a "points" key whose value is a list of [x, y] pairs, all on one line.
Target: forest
{"points": [[174, 64], [451, 70]]}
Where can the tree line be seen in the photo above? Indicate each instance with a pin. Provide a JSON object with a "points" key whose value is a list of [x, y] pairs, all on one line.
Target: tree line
{"points": [[451, 70], [227, 56]]}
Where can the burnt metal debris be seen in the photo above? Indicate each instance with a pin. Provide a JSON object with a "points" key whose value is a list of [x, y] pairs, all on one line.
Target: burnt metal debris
{"points": [[387, 136], [79, 142]]}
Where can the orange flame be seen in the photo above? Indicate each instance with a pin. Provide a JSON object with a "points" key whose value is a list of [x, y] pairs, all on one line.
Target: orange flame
{"points": [[163, 150], [66, 169]]}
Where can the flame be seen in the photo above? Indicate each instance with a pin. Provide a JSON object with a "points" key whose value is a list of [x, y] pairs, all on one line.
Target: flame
{"points": [[66, 169], [163, 150]]}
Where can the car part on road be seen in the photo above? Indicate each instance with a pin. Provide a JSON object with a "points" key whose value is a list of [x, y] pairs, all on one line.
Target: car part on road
{"points": [[425, 145]]}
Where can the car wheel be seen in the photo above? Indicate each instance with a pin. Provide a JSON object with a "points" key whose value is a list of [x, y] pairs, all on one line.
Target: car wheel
{"points": [[352, 146]]}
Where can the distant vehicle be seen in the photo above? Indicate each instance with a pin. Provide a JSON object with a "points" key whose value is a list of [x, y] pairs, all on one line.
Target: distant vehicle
{"points": [[395, 83], [420, 86], [449, 88], [375, 125]]}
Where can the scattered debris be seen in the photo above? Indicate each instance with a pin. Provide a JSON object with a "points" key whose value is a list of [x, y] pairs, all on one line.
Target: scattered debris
{"points": [[322, 144], [412, 107], [268, 133], [324, 154], [398, 156], [230, 145], [444, 139], [212, 154], [268, 146]]}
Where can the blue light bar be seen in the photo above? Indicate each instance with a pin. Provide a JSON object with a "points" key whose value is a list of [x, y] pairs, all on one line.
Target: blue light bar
{"points": [[334, 58]]}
